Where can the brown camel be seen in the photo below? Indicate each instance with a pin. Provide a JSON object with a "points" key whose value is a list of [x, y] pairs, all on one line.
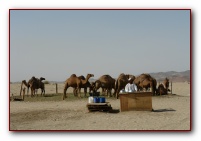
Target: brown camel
{"points": [[75, 82], [145, 84], [92, 85], [142, 77], [85, 86], [121, 82], [34, 84], [145, 81], [106, 82], [92, 88]]}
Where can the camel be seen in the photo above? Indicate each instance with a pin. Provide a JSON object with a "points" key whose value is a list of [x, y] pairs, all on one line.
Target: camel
{"points": [[34, 83], [145, 81], [106, 82], [92, 88], [145, 84], [162, 90], [75, 82], [85, 86], [35, 79], [121, 82], [142, 77]]}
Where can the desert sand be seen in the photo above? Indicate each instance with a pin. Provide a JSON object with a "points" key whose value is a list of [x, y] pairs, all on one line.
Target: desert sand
{"points": [[171, 112]]}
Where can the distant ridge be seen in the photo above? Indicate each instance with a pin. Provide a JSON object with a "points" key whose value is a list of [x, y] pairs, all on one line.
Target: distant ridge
{"points": [[173, 76]]}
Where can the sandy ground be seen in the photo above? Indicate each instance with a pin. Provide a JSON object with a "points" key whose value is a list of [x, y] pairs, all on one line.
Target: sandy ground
{"points": [[172, 112]]}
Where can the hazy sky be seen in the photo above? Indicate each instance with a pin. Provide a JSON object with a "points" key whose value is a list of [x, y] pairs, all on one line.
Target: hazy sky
{"points": [[57, 43]]}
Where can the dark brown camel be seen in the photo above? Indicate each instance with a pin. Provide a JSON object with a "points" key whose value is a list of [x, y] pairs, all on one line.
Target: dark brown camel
{"points": [[121, 82], [162, 90], [85, 86], [92, 88], [166, 83], [75, 82], [106, 82], [34, 84], [39, 81]]}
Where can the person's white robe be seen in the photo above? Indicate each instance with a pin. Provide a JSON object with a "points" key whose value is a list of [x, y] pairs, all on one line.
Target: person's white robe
{"points": [[130, 88]]}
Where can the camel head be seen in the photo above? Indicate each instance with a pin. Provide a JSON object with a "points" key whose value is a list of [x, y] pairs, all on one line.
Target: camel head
{"points": [[89, 75], [166, 82], [92, 86], [127, 76], [24, 82], [131, 79], [41, 78]]}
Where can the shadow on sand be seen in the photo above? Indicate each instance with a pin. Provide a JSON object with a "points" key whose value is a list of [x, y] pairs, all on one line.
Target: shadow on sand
{"points": [[163, 110]]}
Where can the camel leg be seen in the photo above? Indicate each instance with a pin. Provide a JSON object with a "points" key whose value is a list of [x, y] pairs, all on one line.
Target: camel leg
{"points": [[64, 94], [110, 93], [31, 93], [117, 93], [42, 91], [74, 91], [85, 92], [27, 91], [65, 90], [21, 89], [114, 93], [107, 91], [79, 92], [34, 93], [23, 94], [103, 91]]}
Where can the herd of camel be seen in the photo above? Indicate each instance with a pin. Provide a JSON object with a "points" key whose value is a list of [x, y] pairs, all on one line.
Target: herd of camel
{"points": [[106, 82]]}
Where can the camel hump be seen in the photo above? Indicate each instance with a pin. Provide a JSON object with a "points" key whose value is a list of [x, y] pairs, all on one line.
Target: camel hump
{"points": [[33, 78], [82, 77], [123, 77], [107, 75], [73, 75], [121, 74]]}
